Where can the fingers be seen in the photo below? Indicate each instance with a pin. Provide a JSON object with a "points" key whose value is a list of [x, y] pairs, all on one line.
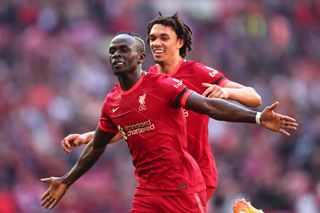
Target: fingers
{"points": [[218, 94], [49, 201], [66, 146], [54, 203], [208, 90], [68, 141], [289, 125], [282, 131], [45, 199], [287, 118], [44, 196], [213, 91]]}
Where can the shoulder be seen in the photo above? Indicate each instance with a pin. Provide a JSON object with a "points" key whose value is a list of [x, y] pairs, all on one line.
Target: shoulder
{"points": [[195, 66], [207, 69], [153, 69], [161, 80], [114, 93]]}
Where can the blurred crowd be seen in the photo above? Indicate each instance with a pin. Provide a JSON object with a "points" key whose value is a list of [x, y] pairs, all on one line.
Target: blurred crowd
{"points": [[54, 76]]}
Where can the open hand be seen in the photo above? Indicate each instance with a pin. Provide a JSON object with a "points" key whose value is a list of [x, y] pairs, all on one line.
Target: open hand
{"points": [[55, 192], [277, 122]]}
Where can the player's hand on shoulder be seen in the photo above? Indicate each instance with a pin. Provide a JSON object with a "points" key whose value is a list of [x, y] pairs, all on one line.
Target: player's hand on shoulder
{"points": [[215, 91]]}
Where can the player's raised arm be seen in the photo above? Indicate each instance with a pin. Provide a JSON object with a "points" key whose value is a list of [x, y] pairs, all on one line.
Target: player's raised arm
{"points": [[220, 109], [90, 155]]}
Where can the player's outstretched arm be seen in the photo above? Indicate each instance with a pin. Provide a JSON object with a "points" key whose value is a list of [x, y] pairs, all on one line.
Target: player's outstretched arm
{"points": [[220, 109], [246, 96], [90, 155], [75, 140]]}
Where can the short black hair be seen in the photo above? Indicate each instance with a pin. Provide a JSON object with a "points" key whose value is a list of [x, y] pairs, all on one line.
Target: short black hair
{"points": [[181, 29], [138, 38]]}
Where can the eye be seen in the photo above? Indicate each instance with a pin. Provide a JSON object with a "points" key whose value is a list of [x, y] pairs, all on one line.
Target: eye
{"points": [[112, 51], [151, 38], [124, 49], [165, 38]]}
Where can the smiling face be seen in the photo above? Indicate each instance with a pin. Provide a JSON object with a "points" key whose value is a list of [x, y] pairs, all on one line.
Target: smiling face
{"points": [[124, 54], [164, 43]]}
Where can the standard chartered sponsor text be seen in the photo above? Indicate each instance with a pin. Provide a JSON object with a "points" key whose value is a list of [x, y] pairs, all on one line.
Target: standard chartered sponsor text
{"points": [[138, 128]]}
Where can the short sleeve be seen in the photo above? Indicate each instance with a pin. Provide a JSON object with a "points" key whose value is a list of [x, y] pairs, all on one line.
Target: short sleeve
{"points": [[105, 122], [172, 89]]}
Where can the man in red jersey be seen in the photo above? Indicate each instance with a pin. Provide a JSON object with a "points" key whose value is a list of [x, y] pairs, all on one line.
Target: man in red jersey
{"points": [[169, 39], [146, 108]]}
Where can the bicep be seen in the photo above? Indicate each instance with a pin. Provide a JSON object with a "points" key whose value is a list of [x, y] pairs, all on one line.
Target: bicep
{"points": [[101, 138], [197, 103]]}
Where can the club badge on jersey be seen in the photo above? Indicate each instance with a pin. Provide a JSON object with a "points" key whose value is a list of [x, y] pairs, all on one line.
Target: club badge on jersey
{"points": [[142, 102]]}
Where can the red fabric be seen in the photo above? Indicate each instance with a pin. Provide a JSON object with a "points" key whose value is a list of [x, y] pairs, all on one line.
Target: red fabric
{"points": [[190, 203], [193, 74], [154, 128]]}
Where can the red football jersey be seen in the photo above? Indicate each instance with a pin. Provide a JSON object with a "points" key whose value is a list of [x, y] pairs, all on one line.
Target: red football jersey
{"points": [[193, 74], [151, 120]]}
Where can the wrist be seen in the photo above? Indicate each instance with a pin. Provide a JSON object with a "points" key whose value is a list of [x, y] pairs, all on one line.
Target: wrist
{"points": [[258, 118], [64, 180]]}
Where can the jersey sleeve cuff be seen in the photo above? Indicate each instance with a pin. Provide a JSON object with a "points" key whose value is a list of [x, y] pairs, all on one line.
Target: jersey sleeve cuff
{"points": [[184, 98]]}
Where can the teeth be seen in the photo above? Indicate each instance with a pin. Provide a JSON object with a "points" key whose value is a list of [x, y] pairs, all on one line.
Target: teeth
{"points": [[158, 51]]}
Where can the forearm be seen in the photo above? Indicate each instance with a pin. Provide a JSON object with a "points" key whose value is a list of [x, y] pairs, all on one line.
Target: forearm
{"points": [[89, 136], [227, 111], [220, 109], [245, 95], [88, 157]]}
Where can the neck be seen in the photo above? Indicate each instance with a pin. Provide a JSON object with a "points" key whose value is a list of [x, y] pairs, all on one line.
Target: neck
{"points": [[129, 79], [170, 66]]}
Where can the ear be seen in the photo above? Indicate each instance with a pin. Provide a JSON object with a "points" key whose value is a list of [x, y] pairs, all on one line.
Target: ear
{"points": [[180, 42], [141, 58]]}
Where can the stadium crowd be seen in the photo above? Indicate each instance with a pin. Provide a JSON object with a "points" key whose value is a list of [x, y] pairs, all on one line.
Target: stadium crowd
{"points": [[54, 77]]}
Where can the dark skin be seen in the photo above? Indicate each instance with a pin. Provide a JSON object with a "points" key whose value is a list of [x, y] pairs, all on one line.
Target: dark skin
{"points": [[126, 58]]}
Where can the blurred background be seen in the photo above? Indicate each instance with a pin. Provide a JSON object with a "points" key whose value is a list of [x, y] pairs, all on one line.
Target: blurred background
{"points": [[54, 77]]}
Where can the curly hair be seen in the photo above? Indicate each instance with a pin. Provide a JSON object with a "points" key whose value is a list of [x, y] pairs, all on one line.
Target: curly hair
{"points": [[181, 29]]}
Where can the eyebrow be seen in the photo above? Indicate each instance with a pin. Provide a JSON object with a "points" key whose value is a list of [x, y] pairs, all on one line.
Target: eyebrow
{"points": [[161, 34]]}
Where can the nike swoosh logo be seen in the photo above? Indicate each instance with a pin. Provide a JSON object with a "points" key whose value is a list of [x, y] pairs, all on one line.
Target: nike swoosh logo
{"points": [[115, 109]]}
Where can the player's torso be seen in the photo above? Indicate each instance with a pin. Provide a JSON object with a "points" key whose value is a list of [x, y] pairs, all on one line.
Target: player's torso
{"points": [[155, 132], [143, 111]]}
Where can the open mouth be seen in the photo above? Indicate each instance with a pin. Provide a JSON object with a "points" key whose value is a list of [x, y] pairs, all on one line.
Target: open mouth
{"points": [[158, 52]]}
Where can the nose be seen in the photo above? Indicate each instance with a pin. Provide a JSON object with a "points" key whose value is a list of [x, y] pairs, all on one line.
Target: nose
{"points": [[155, 42], [116, 54]]}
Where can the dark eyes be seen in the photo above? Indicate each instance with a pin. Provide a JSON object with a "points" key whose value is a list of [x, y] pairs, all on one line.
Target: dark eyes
{"points": [[122, 49], [162, 38]]}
